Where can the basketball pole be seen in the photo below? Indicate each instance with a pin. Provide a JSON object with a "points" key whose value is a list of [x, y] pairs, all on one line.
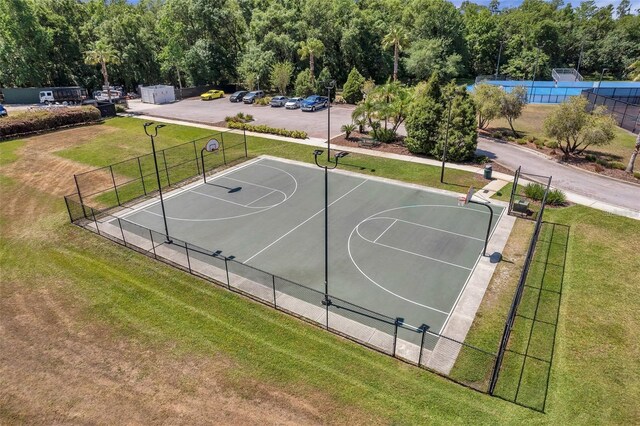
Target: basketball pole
{"points": [[446, 141], [155, 162], [486, 240]]}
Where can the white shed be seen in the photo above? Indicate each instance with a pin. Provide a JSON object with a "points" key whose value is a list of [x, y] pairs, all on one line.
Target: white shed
{"points": [[159, 94]]}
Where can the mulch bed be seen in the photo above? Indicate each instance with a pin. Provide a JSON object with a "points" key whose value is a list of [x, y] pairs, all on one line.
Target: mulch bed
{"points": [[398, 147]]}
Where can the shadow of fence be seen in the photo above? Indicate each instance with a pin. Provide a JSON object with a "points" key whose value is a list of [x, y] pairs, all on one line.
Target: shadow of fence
{"points": [[526, 367]]}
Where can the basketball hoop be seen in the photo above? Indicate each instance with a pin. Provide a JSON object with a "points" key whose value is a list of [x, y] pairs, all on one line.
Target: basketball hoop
{"points": [[464, 199], [212, 145]]}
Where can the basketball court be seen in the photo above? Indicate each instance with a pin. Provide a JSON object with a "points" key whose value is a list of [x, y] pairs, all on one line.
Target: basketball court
{"points": [[400, 250]]}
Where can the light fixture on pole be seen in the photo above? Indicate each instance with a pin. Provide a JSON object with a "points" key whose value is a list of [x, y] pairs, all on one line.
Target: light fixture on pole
{"points": [[155, 162], [329, 85], [601, 76], [337, 156], [446, 140]]}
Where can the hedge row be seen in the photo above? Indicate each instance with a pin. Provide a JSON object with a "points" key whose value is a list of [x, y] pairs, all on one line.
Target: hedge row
{"points": [[261, 128], [46, 119]]}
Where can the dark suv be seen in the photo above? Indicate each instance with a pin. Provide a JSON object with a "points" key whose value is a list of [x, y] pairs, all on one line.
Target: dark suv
{"points": [[251, 97], [237, 96]]}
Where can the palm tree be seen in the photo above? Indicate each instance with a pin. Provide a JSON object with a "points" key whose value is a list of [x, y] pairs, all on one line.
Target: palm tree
{"points": [[634, 71], [634, 154], [396, 37], [102, 53], [312, 48]]}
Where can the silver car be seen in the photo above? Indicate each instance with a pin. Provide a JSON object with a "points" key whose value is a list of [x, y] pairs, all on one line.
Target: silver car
{"points": [[278, 101], [293, 103]]}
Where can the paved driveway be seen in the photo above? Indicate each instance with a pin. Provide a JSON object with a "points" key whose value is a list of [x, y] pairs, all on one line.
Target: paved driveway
{"points": [[564, 177], [210, 112]]}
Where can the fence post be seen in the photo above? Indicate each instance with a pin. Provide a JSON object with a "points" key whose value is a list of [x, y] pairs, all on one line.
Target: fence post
{"points": [[186, 249], [166, 169], [244, 132], [195, 153], [273, 283], [84, 212], [115, 188], [395, 335], [95, 221], [122, 232], [144, 188], [224, 156], [226, 268], [423, 328], [66, 202], [153, 245]]}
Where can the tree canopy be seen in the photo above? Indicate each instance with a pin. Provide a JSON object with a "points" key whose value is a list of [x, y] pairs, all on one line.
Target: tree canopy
{"points": [[43, 42]]}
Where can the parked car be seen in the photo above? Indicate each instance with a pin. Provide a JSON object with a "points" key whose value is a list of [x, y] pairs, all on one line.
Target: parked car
{"points": [[251, 97], [315, 102], [278, 101], [3, 111], [293, 103], [237, 96], [212, 94]]}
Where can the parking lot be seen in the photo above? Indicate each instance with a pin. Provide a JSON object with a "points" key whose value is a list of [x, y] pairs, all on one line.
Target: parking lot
{"points": [[211, 112]]}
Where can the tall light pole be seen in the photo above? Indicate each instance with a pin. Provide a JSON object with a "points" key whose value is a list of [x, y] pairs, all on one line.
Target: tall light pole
{"points": [[446, 141], [601, 75], [334, 164], [155, 162], [329, 85], [498, 63]]}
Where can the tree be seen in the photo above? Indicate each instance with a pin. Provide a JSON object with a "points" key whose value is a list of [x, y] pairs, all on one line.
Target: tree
{"points": [[575, 129], [633, 71], [396, 37], [424, 117], [304, 85], [101, 53], [352, 89], [254, 65], [321, 82], [634, 154], [512, 104], [281, 76], [487, 99], [463, 134], [312, 48], [429, 56]]}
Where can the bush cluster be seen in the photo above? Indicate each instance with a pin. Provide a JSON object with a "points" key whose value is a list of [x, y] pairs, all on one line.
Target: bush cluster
{"points": [[262, 128], [263, 101], [46, 119], [239, 118], [535, 191]]}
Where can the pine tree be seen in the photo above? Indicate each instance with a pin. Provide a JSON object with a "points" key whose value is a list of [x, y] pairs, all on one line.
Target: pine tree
{"points": [[352, 90]]}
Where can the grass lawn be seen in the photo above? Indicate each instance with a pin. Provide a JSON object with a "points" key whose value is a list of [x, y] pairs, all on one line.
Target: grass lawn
{"points": [[531, 124], [93, 332]]}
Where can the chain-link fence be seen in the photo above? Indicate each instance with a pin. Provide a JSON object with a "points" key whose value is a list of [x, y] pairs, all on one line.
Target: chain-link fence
{"points": [[623, 103], [121, 183]]}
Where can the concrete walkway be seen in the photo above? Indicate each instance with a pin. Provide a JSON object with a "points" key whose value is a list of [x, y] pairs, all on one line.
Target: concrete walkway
{"points": [[580, 187]]}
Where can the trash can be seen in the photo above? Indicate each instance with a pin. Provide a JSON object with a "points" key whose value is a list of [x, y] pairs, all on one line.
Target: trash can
{"points": [[488, 169]]}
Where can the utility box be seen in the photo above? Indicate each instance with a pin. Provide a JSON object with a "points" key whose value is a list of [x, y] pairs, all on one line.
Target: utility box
{"points": [[158, 95]]}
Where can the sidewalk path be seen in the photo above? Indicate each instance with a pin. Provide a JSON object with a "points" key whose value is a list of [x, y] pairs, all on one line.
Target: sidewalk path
{"points": [[629, 208]]}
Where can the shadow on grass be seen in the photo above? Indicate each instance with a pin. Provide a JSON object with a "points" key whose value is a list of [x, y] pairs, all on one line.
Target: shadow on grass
{"points": [[526, 368]]}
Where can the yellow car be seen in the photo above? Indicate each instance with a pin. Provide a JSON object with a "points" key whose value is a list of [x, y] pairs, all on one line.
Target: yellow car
{"points": [[212, 94]]}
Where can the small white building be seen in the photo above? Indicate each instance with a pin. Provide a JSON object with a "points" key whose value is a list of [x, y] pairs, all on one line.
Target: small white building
{"points": [[159, 94]]}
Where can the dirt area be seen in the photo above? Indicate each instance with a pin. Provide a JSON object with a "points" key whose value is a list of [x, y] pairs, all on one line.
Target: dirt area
{"points": [[578, 161], [58, 366], [398, 147]]}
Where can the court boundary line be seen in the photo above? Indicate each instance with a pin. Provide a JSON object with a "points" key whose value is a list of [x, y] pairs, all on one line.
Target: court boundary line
{"points": [[429, 227], [383, 232], [307, 220], [192, 190]]}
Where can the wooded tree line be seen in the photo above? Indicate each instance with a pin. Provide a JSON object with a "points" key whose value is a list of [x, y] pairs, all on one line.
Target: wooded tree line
{"points": [[191, 42]]}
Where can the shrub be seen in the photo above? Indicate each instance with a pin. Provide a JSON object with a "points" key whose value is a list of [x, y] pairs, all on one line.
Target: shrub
{"points": [[521, 141], [262, 128], [339, 100], [617, 165], [348, 129], [303, 85], [385, 135], [636, 175], [535, 191], [551, 144], [46, 119], [352, 90], [239, 118], [539, 144], [247, 117], [598, 168], [590, 157], [497, 134], [263, 101], [555, 197], [120, 109]]}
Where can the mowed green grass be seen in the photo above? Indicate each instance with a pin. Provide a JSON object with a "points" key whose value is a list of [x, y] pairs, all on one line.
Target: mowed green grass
{"points": [[595, 374], [531, 123]]}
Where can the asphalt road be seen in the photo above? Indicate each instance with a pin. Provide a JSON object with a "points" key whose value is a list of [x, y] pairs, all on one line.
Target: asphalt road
{"points": [[210, 112], [564, 177]]}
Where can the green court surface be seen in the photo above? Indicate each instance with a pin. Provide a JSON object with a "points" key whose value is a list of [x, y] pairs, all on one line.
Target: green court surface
{"points": [[399, 250]]}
